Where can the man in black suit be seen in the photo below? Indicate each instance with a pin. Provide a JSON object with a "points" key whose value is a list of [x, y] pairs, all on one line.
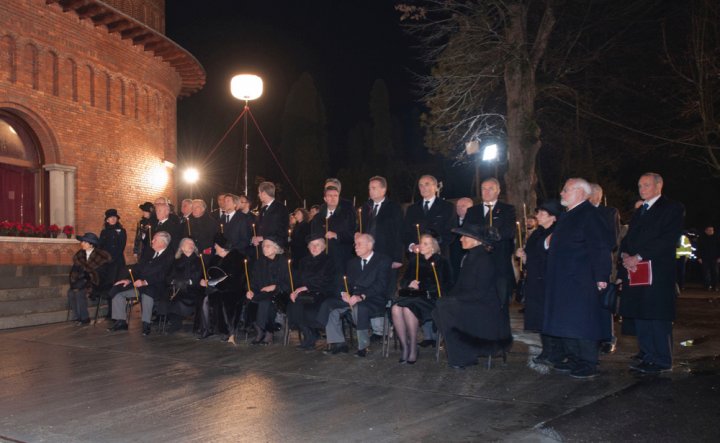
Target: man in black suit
{"points": [[336, 221], [382, 218], [149, 281], [168, 224], [456, 251], [243, 207], [234, 225], [274, 219], [184, 215], [611, 218], [503, 219], [203, 228], [652, 237], [429, 214], [367, 281]]}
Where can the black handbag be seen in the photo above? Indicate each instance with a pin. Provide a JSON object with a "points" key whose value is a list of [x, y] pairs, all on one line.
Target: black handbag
{"points": [[609, 298], [308, 297]]}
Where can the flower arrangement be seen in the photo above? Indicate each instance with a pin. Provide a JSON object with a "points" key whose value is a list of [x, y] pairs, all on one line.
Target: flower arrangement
{"points": [[27, 229]]}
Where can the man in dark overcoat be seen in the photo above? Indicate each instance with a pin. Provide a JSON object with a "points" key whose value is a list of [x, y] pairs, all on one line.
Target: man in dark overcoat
{"points": [[234, 225], [578, 268], [501, 216], [652, 236], [367, 281], [336, 221], [273, 220]]}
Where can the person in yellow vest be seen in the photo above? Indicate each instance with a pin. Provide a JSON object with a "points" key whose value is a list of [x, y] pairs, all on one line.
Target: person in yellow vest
{"points": [[683, 251]]}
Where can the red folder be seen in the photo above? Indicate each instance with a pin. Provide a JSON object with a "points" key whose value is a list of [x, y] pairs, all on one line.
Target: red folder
{"points": [[642, 275]]}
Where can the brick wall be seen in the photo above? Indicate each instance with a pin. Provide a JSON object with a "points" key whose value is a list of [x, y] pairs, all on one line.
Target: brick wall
{"points": [[95, 102], [36, 251]]}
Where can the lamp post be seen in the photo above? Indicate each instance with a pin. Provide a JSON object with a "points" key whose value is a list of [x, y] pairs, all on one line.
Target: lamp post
{"points": [[191, 176], [488, 152], [246, 87]]}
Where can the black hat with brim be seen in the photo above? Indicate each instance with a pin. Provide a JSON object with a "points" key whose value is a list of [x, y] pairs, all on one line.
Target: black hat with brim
{"points": [[147, 207], [552, 207], [111, 213], [315, 236], [487, 235], [90, 238]]}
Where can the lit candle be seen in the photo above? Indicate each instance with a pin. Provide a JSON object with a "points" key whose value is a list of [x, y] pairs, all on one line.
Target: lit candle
{"points": [[437, 281], [360, 218], [257, 251], [417, 228], [417, 265], [202, 263], [304, 204], [188, 223], [292, 285], [519, 232], [347, 291], [247, 276], [327, 240], [222, 230], [132, 279]]}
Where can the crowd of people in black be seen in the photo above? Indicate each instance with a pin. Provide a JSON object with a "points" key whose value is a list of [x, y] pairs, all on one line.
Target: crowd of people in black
{"points": [[232, 270]]}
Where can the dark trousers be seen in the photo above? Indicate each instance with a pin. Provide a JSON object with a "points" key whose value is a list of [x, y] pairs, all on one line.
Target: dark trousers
{"points": [[77, 298], [580, 352], [655, 341], [680, 268], [710, 272]]}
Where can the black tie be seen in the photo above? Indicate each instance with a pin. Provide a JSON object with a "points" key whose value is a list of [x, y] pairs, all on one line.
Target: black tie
{"points": [[262, 210], [155, 256], [426, 207], [364, 262], [375, 209], [226, 219], [644, 208]]}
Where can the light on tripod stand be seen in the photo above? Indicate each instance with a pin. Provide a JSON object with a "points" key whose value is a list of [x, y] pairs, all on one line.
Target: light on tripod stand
{"points": [[246, 87]]}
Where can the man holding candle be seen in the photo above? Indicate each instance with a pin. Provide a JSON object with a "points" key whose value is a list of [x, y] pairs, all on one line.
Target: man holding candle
{"points": [[364, 294], [336, 221], [273, 220]]}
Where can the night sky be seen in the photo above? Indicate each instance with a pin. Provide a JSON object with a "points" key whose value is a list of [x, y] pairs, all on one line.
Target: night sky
{"points": [[346, 45]]}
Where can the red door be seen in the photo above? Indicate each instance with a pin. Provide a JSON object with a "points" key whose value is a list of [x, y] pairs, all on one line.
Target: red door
{"points": [[17, 194]]}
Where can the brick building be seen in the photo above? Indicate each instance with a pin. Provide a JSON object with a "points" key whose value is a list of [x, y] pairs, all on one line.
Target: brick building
{"points": [[88, 93]]}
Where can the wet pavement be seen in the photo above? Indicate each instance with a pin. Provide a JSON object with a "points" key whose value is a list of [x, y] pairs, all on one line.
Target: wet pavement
{"points": [[62, 383]]}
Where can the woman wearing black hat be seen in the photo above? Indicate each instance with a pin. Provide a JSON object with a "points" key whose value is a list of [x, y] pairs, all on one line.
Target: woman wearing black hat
{"points": [[184, 278], [315, 280], [224, 286], [144, 233], [534, 256], [474, 317], [270, 279], [84, 275], [113, 239], [418, 294]]}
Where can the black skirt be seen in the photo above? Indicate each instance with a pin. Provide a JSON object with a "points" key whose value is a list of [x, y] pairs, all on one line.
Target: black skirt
{"points": [[420, 306]]}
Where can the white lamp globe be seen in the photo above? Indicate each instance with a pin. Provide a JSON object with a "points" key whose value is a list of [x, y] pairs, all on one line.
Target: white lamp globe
{"points": [[246, 87]]}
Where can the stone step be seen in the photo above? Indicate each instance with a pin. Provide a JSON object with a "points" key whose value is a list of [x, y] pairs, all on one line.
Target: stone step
{"points": [[33, 281], [33, 306], [42, 318], [34, 270], [31, 294]]}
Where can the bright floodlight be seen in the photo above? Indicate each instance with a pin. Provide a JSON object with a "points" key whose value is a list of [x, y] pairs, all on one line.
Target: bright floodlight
{"points": [[490, 152], [246, 87], [191, 175]]}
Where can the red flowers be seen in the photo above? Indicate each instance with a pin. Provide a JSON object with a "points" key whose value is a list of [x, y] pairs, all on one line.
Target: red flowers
{"points": [[27, 229]]}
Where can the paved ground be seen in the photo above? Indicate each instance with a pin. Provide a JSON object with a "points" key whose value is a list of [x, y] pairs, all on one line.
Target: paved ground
{"points": [[61, 383]]}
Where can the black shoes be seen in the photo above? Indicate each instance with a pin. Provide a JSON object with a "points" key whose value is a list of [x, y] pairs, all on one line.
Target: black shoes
{"points": [[205, 333], [82, 322], [147, 328], [564, 367], [649, 368], [362, 353], [607, 348], [584, 373], [120, 325], [426, 343], [337, 348]]}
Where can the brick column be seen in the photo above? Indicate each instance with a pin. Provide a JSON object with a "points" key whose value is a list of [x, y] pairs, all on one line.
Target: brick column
{"points": [[62, 194]]}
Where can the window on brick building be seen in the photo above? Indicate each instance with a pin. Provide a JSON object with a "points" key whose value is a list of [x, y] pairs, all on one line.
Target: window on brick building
{"points": [[20, 174]]}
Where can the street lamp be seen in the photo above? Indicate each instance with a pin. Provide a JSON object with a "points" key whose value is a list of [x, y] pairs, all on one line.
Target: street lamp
{"points": [[490, 152], [191, 176], [246, 87]]}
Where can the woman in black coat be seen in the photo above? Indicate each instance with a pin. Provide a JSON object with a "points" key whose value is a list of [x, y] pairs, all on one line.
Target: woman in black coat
{"points": [[270, 280], [418, 294], [474, 317], [184, 278], [315, 280], [224, 288], [298, 236], [534, 256], [113, 239]]}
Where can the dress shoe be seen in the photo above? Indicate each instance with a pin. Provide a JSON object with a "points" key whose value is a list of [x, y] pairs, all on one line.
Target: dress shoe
{"points": [[563, 367], [426, 343], [412, 362], [584, 373], [120, 325], [362, 353], [337, 348], [205, 334], [402, 361], [650, 368], [147, 328]]}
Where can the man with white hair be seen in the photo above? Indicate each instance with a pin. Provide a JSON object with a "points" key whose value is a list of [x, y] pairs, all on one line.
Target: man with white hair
{"points": [[578, 268], [146, 282]]}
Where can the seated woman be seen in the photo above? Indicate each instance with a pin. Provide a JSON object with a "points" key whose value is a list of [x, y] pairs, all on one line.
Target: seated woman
{"points": [[269, 280], [418, 294], [84, 275], [184, 279], [473, 316], [224, 283], [315, 280]]}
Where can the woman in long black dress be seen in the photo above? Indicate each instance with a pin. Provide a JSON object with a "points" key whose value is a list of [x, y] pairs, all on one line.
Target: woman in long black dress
{"points": [[315, 280], [224, 288], [418, 295], [534, 256], [113, 239], [474, 317], [184, 279], [270, 279], [299, 236]]}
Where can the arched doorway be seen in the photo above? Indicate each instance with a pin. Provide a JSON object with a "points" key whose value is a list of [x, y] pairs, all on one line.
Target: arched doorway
{"points": [[21, 177]]}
